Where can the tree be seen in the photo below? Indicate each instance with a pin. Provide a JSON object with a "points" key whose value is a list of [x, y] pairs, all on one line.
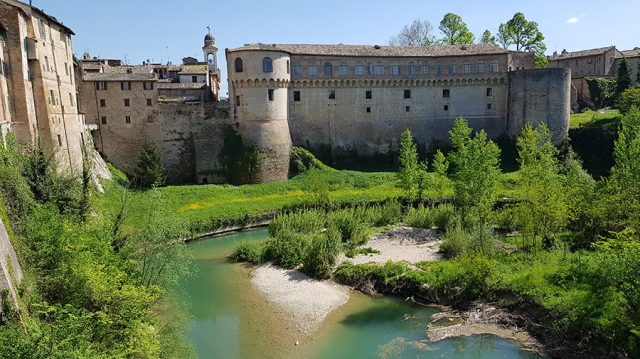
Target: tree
{"points": [[476, 160], [440, 166], [488, 38], [455, 31], [629, 98], [409, 168], [419, 33], [525, 36], [623, 77], [544, 207], [150, 171], [638, 74]]}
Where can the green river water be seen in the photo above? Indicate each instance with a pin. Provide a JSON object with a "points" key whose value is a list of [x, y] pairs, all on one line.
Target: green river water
{"points": [[232, 320]]}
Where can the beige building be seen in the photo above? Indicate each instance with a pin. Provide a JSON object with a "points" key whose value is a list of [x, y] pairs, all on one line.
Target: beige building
{"points": [[166, 104], [354, 101], [633, 60], [37, 86], [600, 63]]}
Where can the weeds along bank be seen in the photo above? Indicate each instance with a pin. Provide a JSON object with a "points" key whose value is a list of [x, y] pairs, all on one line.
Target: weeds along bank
{"points": [[564, 257]]}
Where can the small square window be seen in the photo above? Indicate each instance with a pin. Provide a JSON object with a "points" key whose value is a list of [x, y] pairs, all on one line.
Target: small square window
{"points": [[194, 79], [445, 93], [368, 95], [446, 107], [127, 119], [368, 109], [488, 106], [296, 96], [148, 85], [103, 103], [126, 102], [489, 91], [407, 93], [332, 95], [103, 120], [407, 108], [270, 94], [149, 102]]}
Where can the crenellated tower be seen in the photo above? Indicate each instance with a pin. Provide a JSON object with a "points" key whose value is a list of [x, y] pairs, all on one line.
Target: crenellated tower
{"points": [[258, 98]]}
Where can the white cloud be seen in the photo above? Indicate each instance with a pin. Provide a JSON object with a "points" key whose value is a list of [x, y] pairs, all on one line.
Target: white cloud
{"points": [[573, 20]]}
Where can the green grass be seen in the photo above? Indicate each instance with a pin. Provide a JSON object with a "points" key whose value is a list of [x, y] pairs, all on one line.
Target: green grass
{"points": [[591, 118]]}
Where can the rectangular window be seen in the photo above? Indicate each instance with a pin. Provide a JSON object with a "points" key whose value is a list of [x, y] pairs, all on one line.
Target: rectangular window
{"points": [[395, 70], [127, 119], [332, 95], [452, 69], [378, 70], [344, 70], [148, 85], [149, 102], [480, 68], [489, 91], [424, 69], [103, 103], [296, 96], [103, 120], [407, 93], [368, 95], [60, 140], [466, 68], [313, 70], [446, 93], [360, 70], [411, 70], [25, 44], [439, 70], [488, 106], [270, 94], [66, 68], [53, 99], [446, 107], [237, 100], [125, 86], [46, 63], [494, 67], [368, 109], [71, 99], [297, 70], [194, 79], [126, 102], [407, 109]]}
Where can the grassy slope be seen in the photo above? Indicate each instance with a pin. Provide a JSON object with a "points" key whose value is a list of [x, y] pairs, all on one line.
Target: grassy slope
{"points": [[589, 118]]}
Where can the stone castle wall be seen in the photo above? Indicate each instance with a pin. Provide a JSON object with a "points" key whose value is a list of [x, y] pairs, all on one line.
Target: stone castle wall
{"points": [[188, 136], [10, 270]]}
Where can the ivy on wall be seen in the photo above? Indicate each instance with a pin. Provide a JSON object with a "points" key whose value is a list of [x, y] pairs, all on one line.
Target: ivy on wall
{"points": [[240, 163]]}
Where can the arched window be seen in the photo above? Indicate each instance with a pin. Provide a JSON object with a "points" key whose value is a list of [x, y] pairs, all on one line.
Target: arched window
{"points": [[267, 64], [328, 69], [239, 64]]}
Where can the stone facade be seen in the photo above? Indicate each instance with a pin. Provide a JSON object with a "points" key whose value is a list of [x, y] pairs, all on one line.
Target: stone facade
{"points": [[10, 270], [358, 99], [633, 60], [37, 85]]}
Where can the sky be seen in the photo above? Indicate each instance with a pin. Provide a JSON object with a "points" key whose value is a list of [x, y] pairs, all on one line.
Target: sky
{"points": [[163, 30]]}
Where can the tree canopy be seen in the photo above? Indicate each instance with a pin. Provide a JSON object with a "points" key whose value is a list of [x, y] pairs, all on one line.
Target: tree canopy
{"points": [[455, 31], [419, 33], [623, 76], [488, 38], [525, 36]]}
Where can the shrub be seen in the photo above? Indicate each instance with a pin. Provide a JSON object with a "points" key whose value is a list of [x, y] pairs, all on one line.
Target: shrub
{"points": [[322, 254], [507, 218], [455, 242], [420, 217], [385, 214], [251, 252], [629, 98], [288, 249], [302, 221], [350, 225], [150, 171]]}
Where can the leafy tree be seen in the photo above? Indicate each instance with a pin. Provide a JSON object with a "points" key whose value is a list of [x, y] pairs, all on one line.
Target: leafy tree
{"points": [[544, 207], [629, 98], [476, 160], [623, 76], [525, 36], [638, 74], [150, 171], [602, 91], [488, 38], [455, 31], [409, 168], [419, 33], [440, 167]]}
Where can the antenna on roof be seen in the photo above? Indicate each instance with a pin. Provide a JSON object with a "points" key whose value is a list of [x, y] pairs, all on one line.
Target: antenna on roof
{"points": [[209, 28]]}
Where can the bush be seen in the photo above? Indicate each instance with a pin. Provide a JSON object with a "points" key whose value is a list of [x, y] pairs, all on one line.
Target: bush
{"points": [[302, 221], [442, 216], [322, 254], [628, 99], [350, 225], [288, 249], [455, 242], [383, 215], [249, 252], [150, 171], [507, 218]]}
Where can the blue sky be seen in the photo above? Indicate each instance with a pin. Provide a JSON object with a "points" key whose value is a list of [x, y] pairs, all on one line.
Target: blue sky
{"points": [[162, 29]]}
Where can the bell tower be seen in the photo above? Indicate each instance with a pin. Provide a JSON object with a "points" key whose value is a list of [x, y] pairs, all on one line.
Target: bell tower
{"points": [[210, 52]]}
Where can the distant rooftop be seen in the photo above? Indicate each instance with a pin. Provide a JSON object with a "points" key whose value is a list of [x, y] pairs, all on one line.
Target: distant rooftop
{"points": [[28, 9], [631, 53], [119, 76], [378, 51], [572, 54]]}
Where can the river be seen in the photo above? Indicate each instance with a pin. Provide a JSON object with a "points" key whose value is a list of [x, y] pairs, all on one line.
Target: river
{"points": [[231, 320]]}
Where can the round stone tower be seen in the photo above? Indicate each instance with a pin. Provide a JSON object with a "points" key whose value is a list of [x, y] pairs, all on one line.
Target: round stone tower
{"points": [[259, 77]]}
